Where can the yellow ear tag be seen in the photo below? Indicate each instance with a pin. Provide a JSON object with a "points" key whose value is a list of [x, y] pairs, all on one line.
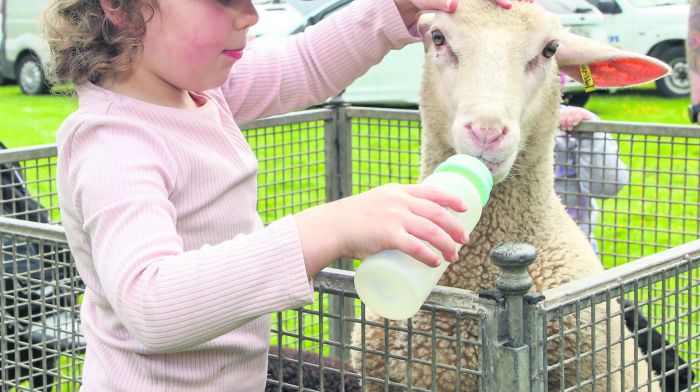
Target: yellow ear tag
{"points": [[587, 78]]}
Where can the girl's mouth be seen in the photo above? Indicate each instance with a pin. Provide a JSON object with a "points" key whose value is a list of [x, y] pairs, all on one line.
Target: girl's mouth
{"points": [[234, 54]]}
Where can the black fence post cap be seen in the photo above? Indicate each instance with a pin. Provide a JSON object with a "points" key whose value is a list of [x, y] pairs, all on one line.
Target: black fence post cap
{"points": [[513, 259], [513, 254]]}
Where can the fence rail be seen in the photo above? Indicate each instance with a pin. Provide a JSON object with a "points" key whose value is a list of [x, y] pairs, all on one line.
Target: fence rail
{"points": [[647, 236]]}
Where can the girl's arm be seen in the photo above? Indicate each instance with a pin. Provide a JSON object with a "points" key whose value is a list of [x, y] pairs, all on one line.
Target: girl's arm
{"points": [[278, 76], [172, 296]]}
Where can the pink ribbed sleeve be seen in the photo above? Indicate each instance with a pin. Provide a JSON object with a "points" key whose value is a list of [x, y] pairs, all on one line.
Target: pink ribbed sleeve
{"points": [[280, 76], [159, 207]]}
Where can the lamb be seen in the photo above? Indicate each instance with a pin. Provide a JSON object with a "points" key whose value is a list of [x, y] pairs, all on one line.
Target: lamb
{"points": [[490, 89]]}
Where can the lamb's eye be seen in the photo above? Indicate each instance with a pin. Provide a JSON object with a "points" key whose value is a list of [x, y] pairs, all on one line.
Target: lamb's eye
{"points": [[550, 49], [438, 38]]}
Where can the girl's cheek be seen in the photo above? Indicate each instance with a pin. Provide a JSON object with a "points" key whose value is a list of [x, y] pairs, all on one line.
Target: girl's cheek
{"points": [[196, 48]]}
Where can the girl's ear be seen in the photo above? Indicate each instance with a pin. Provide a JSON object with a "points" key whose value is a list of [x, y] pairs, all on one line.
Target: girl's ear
{"points": [[117, 17], [607, 66]]}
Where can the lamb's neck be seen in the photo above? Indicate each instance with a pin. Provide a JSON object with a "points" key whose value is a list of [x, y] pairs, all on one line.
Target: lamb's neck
{"points": [[523, 197]]}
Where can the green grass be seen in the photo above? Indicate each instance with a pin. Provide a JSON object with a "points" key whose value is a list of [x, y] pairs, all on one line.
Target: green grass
{"points": [[26, 121], [31, 120], [639, 105]]}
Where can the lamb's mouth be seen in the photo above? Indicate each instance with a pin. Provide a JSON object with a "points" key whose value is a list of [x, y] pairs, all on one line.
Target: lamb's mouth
{"points": [[499, 169], [492, 165]]}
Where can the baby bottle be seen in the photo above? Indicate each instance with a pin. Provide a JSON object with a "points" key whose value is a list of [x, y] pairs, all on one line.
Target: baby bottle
{"points": [[394, 284]]}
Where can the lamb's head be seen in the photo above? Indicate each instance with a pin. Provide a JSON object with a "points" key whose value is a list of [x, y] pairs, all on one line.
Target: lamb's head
{"points": [[491, 84]]}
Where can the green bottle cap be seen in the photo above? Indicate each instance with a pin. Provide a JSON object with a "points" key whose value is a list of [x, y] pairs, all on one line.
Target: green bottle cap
{"points": [[471, 168]]}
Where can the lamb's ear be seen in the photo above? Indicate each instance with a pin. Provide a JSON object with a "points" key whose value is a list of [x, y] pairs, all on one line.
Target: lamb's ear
{"points": [[609, 66], [425, 21]]}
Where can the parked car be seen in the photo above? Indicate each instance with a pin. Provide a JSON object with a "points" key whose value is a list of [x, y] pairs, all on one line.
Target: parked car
{"points": [[24, 54], [396, 80], [657, 28]]}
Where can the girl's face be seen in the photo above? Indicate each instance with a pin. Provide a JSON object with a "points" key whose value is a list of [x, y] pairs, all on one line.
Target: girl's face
{"points": [[192, 44]]}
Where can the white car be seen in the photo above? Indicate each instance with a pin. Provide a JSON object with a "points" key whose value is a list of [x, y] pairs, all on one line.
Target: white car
{"points": [[396, 80], [657, 28], [24, 53]]}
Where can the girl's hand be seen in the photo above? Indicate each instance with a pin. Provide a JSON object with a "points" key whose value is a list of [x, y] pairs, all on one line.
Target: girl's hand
{"points": [[507, 3], [571, 116], [387, 217], [410, 9]]}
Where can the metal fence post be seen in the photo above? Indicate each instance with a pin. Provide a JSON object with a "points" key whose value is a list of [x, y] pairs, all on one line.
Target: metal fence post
{"points": [[339, 185], [510, 365], [536, 338]]}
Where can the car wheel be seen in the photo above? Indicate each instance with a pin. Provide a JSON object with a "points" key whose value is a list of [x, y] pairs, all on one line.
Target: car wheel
{"points": [[677, 83], [575, 99], [30, 76]]}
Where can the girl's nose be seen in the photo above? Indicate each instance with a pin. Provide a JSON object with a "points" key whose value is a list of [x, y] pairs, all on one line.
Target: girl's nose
{"points": [[247, 17]]}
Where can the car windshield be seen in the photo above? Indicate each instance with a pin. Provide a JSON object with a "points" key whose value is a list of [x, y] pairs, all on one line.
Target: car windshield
{"points": [[656, 3]]}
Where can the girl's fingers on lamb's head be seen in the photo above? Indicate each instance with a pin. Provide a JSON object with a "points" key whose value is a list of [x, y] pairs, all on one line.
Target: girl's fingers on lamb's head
{"points": [[504, 3], [508, 3]]}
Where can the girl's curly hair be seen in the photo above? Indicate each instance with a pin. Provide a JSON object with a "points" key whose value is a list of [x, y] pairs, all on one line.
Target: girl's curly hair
{"points": [[86, 46]]}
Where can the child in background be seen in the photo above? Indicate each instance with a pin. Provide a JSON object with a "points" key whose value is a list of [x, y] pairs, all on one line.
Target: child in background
{"points": [[586, 167], [157, 185]]}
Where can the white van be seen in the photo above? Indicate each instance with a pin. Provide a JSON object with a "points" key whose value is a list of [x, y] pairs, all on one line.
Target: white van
{"points": [[24, 54], [657, 28]]}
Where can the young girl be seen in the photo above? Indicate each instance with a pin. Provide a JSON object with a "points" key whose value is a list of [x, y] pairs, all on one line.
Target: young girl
{"points": [[586, 167], [157, 185]]}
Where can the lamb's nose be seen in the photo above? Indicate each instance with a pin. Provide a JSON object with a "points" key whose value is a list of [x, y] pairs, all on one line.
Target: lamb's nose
{"points": [[485, 135]]}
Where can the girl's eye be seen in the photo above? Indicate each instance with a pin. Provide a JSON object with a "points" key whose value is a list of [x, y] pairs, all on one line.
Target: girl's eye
{"points": [[438, 38], [550, 49]]}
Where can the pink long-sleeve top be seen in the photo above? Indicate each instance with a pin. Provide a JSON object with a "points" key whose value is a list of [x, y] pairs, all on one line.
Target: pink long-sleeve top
{"points": [[159, 207]]}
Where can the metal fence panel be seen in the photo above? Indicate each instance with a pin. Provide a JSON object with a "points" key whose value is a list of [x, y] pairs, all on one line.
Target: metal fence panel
{"points": [[41, 343], [34, 170], [391, 363], [662, 289]]}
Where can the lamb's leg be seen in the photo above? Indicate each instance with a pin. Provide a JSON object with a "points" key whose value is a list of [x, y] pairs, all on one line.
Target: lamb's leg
{"points": [[664, 355]]}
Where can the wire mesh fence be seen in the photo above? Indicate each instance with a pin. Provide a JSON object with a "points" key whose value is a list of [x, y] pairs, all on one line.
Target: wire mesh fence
{"points": [[651, 303], [28, 185], [41, 341], [364, 361], [316, 156]]}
